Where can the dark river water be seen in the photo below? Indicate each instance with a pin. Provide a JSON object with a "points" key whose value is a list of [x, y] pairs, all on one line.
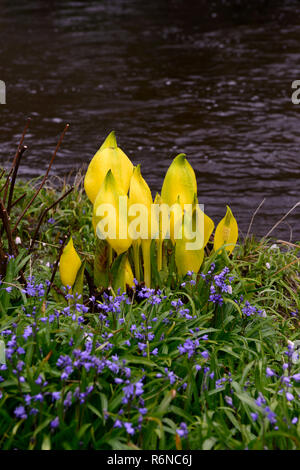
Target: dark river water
{"points": [[211, 79]]}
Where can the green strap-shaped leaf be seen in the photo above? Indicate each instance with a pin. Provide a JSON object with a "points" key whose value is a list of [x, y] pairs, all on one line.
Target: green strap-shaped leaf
{"points": [[2, 352], [118, 273]]}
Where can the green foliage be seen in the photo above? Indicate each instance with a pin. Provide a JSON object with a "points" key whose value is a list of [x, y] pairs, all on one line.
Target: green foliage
{"points": [[214, 391]]}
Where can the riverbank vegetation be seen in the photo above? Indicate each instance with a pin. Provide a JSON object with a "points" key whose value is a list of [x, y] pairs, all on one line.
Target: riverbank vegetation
{"points": [[205, 360]]}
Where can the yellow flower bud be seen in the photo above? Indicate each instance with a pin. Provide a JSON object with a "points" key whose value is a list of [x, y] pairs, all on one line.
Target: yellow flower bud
{"points": [[69, 264], [110, 214], [139, 193], [108, 157], [129, 279], [189, 250], [226, 232], [205, 223], [180, 180]]}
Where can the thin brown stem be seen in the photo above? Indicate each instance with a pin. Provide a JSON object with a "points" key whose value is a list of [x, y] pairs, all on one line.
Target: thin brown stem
{"points": [[15, 160], [252, 219], [43, 180], [6, 181], [21, 142], [20, 153], [43, 215], [18, 200], [6, 225]]}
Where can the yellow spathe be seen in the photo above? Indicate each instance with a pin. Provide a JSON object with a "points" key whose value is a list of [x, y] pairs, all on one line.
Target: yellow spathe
{"points": [[203, 221], [108, 157], [180, 180], [189, 250], [69, 264], [226, 232], [129, 278], [139, 193], [110, 214]]}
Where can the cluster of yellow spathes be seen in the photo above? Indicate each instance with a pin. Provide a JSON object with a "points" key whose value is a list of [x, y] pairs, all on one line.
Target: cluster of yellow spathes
{"points": [[111, 175]]}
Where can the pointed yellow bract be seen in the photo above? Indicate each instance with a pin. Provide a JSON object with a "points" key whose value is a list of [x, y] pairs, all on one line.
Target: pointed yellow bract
{"points": [[180, 180], [203, 221], [69, 264], [208, 228], [139, 193], [108, 157], [161, 213], [226, 232], [187, 260], [129, 279], [189, 256], [110, 215]]}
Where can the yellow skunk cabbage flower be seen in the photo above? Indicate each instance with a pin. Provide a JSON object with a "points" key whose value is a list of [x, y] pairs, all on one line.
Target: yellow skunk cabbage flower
{"points": [[189, 249], [176, 219], [108, 157], [69, 264], [203, 220], [140, 195], [180, 180], [162, 216], [110, 214], [129, 279], [226, 232], [187, 260]]}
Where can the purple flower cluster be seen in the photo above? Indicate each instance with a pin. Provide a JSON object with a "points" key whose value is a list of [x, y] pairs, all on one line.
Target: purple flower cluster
{"points": [[183, 430], [154, 297], [33, 289], [220, 383], [179, 308], [220, 285], [190, 348]]}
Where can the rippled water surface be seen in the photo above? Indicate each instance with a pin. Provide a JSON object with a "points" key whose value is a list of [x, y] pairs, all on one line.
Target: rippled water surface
{"points": [[210, 79]]}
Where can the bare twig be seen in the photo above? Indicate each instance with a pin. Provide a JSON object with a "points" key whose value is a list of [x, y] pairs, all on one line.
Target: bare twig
{"points": [[6, 225], [43, 180], [12, 246], [284, 242], [297, 260], [18, 200], [15, 160], [281, 220], [3, 260], [43, 215], [21, 142], [4, 185], [20, 153], [252, 219]]}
